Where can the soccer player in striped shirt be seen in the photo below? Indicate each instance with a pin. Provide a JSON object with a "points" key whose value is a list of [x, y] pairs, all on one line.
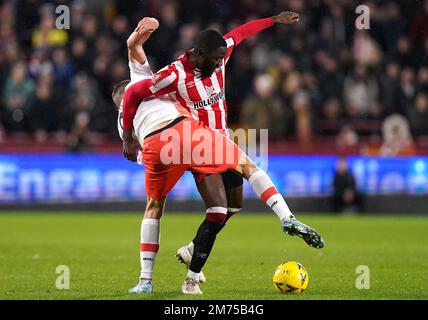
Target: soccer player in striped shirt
{"points": [[196, 81]]}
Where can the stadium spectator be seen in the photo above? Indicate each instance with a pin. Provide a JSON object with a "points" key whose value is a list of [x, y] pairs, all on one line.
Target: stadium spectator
{"points": [[331, 117], [397, 139], [39, 64], [79, 55], [264, 109], [407, 90], [392, 26], [187, 34], [403, 53], [78, 140], [63, 69], [390, 87], [423, 79], [419, 27], [77, 11], [119, 71], [18, 94], [418, 115], [346, 197], [361, 93], [330, 77], [302, 117], [8, 58], [331, 39], [422, 54], [347, 138], [166, 36], [7, 21], [89, 29], [46, 35], [120, 30], [365, 49], [46, 112]]}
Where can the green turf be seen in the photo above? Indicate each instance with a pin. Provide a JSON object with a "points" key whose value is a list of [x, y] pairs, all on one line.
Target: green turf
{"points": [[101, 251]]}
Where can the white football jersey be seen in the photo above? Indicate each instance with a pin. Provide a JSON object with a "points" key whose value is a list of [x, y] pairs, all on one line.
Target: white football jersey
{"points": [[151, 112]]}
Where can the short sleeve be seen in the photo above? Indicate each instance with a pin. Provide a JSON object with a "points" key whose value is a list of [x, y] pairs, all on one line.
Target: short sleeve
{"points": [[140, 72]]}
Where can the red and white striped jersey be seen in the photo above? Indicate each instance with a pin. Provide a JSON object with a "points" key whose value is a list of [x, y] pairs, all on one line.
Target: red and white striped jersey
{"points": [[203, 97]]}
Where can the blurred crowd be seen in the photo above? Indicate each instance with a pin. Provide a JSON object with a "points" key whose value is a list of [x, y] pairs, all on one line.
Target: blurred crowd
{"points": [[322, 76]]}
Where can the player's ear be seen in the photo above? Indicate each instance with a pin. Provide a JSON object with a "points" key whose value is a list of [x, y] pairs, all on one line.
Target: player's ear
{"points": [[118, 92], [201, 52]]}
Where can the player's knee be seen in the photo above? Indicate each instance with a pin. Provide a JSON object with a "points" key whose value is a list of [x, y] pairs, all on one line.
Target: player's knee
{"points": [[154, 208], [247, 169], [217, 215]]}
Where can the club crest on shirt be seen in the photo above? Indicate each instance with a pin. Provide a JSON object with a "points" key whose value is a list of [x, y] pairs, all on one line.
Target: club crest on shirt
{"points": [[209, 90], [156, 78]]}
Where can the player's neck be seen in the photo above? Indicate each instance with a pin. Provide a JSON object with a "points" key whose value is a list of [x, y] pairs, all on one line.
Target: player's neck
{"points": [[193, 59]]}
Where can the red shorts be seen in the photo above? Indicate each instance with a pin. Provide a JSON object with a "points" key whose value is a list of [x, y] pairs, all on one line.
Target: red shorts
{"points": [[187, 145]]}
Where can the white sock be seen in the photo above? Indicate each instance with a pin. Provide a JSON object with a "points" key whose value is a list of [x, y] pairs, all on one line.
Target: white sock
{"points": [[150, 237], [191, 246], [265, 189], [193, 275]]}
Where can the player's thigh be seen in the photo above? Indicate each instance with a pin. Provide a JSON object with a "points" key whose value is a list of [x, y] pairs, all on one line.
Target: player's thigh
{"points": [[234, 192], [161, 176], [160, 182], [212, 191]]}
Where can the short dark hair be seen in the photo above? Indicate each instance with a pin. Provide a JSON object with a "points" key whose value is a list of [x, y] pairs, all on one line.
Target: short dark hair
{"points": [[118, 91], [209, 40]]}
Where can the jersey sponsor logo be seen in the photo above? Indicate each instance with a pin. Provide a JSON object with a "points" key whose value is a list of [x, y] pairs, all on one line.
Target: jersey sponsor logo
{"points": [[211, 100], [190, 84]]}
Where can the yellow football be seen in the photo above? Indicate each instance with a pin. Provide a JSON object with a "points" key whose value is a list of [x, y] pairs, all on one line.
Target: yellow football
{"points": [[290, 277]]}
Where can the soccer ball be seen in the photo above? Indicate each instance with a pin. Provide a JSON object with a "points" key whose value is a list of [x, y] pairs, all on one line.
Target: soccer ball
{"points": [[290, 277]]}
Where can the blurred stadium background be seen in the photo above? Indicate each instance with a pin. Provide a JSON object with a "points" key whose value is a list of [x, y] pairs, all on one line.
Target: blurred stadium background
{"points": [[332, 97]]}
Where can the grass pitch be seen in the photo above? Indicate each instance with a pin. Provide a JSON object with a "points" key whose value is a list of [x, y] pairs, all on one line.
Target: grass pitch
{"points": [[102, 252]]}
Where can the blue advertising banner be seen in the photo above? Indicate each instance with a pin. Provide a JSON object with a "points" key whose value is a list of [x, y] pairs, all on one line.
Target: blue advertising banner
{"points": [[90, 178]]}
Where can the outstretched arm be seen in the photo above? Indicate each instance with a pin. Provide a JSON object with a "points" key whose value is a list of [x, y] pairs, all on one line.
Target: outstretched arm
{"points": [[251, 28], [136, 40], [137, 58]]}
